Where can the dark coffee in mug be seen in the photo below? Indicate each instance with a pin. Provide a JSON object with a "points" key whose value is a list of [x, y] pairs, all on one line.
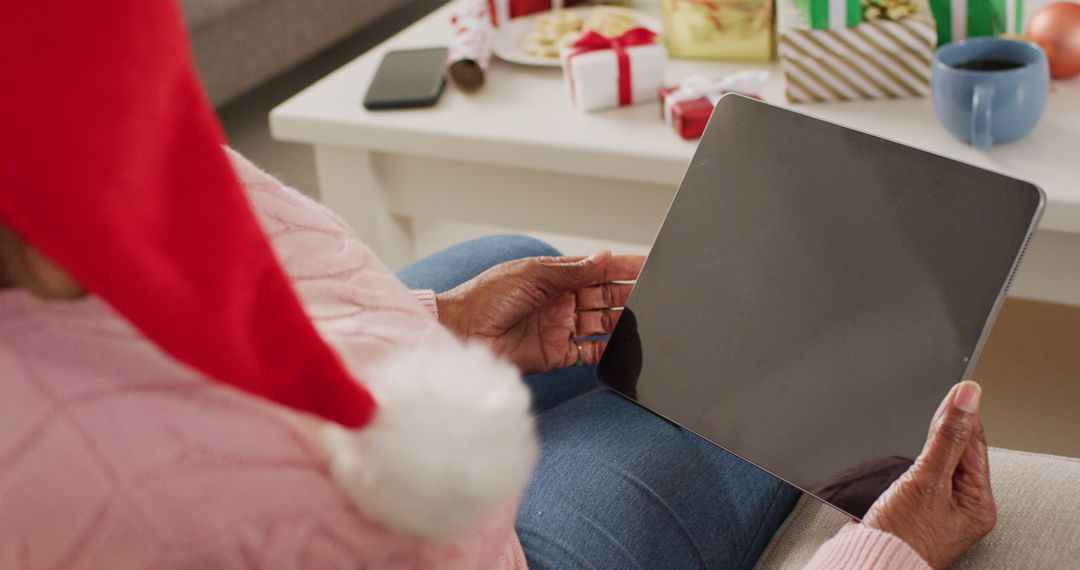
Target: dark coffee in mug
{"points": [[989, 65]]}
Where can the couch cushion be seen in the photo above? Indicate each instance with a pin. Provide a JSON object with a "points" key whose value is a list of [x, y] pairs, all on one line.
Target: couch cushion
{"points": [[1038, 499]]}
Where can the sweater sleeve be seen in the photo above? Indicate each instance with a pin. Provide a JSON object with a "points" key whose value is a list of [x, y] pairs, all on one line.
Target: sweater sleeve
{"points": [[859, 547], [354, 300], [427, 299]]}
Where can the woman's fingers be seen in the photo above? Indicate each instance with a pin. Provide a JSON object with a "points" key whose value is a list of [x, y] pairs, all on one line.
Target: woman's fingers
{"points": [[591, 351], [576, 272], [971, 485], [944, 405], [943, 505], [975, 466], [981, 455], [953, 432], [622, 268], [606, 296], [599, 322]]}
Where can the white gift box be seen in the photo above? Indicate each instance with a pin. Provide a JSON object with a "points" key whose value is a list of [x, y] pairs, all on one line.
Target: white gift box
{"points": [[593, 77]]}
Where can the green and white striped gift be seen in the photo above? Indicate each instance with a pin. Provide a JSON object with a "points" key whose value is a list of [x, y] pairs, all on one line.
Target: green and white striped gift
{"points": [[959, 19], [831, 14], [874, 60]]}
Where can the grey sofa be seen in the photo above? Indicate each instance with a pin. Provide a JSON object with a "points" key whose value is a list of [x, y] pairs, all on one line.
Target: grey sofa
{"points": [[1038, 499], [238, 44]]}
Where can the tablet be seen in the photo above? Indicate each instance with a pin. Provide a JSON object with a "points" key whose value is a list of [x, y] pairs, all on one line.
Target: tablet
{"points": [[813, 294]]}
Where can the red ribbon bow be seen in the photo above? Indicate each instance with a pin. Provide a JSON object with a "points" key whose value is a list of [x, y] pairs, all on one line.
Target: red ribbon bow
{"points": [[592, 41]]}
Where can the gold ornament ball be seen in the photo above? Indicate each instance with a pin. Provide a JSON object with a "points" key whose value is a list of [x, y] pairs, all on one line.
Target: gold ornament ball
{"points": [[1056, 27]]}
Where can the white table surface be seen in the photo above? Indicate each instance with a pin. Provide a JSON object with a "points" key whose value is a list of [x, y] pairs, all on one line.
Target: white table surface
{"points": [[523, 117], [522, 127]]}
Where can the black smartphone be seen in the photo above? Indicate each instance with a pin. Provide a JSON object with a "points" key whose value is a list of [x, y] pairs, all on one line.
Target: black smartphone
{"points": [[408, 78]]}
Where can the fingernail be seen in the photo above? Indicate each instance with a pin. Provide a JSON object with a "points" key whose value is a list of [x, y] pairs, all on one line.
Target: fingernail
{"points": [[596, 256], [967, 396]]}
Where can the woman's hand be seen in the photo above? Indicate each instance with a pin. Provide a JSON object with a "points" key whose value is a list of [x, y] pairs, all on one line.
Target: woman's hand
{"points": [[943, 504], [531, 310]]}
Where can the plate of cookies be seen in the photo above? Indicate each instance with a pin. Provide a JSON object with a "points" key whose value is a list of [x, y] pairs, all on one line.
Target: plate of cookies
{"points": [[538, 38]]}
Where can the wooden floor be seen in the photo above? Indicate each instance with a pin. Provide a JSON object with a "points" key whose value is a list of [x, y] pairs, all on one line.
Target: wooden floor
{"points": [[1030, 372]]}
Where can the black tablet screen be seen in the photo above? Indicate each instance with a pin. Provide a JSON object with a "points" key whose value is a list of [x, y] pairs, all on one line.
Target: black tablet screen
{"points": [[813, 294]]}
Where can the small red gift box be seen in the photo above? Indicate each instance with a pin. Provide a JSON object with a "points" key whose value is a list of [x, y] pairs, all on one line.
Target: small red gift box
{"points": [[688, 117], [503, 10], [688, 107]]}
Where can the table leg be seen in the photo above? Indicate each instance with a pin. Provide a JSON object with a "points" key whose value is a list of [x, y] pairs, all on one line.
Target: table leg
{"points": [[350, 186]]}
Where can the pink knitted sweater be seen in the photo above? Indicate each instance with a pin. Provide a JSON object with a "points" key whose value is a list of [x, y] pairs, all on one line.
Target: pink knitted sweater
{"points": [[112, 455]]}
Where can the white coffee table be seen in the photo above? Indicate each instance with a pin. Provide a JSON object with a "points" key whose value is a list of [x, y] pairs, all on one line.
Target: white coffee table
{"points": [[518, 155]]}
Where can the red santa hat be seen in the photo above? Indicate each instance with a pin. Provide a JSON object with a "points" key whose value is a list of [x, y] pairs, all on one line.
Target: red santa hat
{"points": [[112, 165]]}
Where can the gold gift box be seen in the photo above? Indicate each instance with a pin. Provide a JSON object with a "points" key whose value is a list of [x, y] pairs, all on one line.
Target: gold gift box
{"points": [[719, 29]]}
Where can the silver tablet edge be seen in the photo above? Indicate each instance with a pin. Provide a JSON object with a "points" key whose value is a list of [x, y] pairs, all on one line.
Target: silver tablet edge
{"points": [[1003, 293]]}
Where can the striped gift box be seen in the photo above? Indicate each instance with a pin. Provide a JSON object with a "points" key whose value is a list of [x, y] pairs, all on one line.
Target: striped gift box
{"points": [[831, 14], [959, 19], [873, 60]]}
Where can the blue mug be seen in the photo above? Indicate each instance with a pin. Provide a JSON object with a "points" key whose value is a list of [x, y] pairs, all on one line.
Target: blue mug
{"points": [[989, 90]]}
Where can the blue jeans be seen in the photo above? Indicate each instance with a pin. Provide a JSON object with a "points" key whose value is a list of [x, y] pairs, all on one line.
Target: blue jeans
{"points": [[616, 486]]}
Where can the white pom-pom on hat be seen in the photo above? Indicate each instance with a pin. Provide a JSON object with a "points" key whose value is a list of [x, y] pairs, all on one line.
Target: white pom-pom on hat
{"points": [[453, 439]]}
